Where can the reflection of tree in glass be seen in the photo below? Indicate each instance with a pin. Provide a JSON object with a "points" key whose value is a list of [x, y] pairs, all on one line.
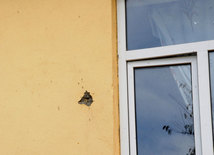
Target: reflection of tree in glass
{"points": [[186, 126]]}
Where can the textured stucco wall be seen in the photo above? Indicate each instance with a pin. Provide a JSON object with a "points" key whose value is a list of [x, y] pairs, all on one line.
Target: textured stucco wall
{"points": [[51, 51]]}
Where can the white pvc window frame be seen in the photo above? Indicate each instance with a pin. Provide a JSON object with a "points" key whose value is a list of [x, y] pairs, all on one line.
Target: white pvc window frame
{"points": [[200, 49], [131, 99]]}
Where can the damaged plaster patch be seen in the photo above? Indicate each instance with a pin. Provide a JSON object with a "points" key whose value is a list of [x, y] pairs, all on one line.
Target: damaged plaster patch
{"points": [[86, 99]]}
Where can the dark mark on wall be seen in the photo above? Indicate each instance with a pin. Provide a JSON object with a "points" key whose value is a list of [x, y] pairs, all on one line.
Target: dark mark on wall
{"points": [[86, 99]]}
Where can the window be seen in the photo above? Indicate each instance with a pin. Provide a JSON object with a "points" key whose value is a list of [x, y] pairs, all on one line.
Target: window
{"points": [[166, 76]]}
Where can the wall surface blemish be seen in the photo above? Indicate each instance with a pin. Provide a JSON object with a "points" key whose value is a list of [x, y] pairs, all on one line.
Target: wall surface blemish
{"points": [[86, 99]]}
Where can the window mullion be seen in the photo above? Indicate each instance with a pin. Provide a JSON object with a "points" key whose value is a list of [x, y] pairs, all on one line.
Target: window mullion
{"points": [[204, 102], [124, 123], [121, 24]]}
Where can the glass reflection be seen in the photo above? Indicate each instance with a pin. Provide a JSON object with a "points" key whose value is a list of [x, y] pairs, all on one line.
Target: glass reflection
{"points": [[153, 23], [164, 111], [211, 56]]}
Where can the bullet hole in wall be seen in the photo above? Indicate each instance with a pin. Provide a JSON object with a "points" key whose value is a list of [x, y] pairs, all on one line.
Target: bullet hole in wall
{"points": [[86, 99]]}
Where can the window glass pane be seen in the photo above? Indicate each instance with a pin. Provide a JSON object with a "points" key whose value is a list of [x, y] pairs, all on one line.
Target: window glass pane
{"points": [[211, 56], [153, 23], [164, 110]]}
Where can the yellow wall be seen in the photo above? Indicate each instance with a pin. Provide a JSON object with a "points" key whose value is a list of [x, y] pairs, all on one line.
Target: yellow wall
{"points": [[51, 51]]}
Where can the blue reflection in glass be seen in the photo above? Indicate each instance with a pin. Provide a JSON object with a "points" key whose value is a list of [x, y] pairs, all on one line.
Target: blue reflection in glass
{"points": [[164, 111], [153, 23]]}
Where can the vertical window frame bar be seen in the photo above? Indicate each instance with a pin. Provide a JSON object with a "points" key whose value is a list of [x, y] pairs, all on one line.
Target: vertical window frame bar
{"points": [[205, 102]]}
